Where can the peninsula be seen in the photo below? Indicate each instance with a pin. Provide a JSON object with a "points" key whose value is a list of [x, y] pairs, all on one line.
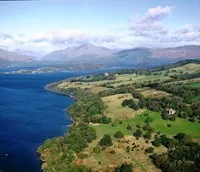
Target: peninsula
{"points": [[130, 120]]}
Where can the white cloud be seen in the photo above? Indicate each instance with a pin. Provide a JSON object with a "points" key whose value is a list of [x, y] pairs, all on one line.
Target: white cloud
{"points": [[5, 36], [151, 28], [150, 24], [58, 39], [68, 37], [189, 33], [158, 13]]}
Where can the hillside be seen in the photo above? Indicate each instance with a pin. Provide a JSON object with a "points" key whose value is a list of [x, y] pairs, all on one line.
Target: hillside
{"points": [[93, 54], [80, 53], [178, 53], [13, 56], [133, 119], [183, 52]]}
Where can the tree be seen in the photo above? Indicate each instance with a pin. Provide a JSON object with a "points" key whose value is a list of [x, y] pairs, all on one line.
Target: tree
{"points": [[165, 115], [148, 120], [148, 135], [106, 141], [119, 134], [149, 150], [157, 142], [97, 149], [138, 133], [183, 138], [125, 167]]}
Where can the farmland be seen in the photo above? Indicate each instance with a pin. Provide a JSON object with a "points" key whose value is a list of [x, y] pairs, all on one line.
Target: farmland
{"points": [[127, 116]]}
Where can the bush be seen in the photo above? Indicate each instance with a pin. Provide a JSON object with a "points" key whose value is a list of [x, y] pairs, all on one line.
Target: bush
{"points": [[125, 167], [149, 150], [138, 133], [128, 149], [148, 135], [138, 126], [106, 141], [129, 127], [119, 134], [173, 118], [97, 150], [157, 142], [148, 120], [192, 119], [148, 127]]}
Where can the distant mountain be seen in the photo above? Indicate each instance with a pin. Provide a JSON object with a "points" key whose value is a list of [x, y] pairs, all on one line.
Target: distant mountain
{"points": [[33, 54], [95, 54], [135, 53], [10, 56], [3, 62], [84, 52], [182, 52]]}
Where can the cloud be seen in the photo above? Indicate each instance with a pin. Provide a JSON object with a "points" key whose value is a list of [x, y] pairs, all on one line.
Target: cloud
{"points": [[189, 33], [4, 36], [150, 24], [158, 13], [151, 29], [70, 36]]}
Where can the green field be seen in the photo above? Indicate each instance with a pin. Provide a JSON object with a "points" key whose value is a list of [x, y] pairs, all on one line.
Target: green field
{"points": [[187, 68], [180, 125], [116, 111], [193, 85]]}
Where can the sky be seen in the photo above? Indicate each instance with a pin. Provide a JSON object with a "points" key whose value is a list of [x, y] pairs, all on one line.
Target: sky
{"points": [[118, 24]]}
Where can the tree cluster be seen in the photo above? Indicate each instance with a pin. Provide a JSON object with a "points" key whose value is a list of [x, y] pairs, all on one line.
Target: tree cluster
{"points": [[183, 154]]}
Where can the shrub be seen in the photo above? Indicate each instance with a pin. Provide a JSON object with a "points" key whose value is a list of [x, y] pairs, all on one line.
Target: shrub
{"points": [[119, 134], [148, 120], [138, 133], [157, 142], [97, 150], [128, 149], [125, 167], [106, 141], [148, 135], [149, 150], [129, 127]]}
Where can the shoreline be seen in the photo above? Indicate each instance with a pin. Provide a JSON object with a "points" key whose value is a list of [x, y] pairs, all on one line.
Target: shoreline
{"points": [[49, 88]]}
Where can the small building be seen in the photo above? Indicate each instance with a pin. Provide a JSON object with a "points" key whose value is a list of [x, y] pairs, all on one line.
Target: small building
{"points": [[106, 74], [171, 111]]}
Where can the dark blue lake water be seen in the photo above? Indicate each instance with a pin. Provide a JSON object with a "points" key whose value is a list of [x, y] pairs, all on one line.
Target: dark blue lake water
{"points": [[28, 116]]}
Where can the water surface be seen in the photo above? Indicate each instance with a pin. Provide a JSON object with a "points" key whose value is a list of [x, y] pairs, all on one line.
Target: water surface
{"points": [[28, 116]]}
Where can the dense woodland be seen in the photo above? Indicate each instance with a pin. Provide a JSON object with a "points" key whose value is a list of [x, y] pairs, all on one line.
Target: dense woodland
{"points": [[187, 93], [183, 154]]}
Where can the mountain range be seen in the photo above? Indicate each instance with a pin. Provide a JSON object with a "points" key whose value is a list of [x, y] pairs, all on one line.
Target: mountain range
{"points": [[95, 54], [8, 57], [36, 55], [82, 52]]}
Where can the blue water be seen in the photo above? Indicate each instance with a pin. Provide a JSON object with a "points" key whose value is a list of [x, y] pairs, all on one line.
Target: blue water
{"points": [[28, 116]]}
